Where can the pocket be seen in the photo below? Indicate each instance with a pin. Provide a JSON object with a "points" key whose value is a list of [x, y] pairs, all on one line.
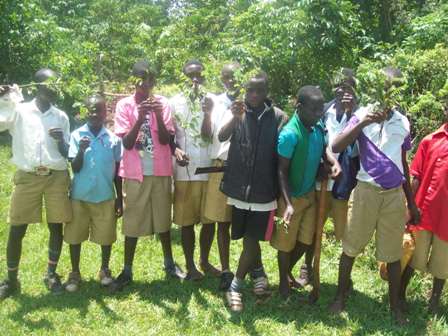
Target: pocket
{"points": [[21, 177]]}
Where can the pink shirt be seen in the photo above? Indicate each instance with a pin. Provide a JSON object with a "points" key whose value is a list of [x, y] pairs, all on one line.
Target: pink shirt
{"points": [[126, 115]]}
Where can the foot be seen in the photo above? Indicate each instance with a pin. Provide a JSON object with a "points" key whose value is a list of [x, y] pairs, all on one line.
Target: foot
{"points": [[105, 277], [175, 271], [234, 301], [9, 288], [73, 282], [433, 307], [337, 306], [261, 286], [284, 290], [120, 282], [226, 280], [53, 283], [399, 317], [305, 276], [209, 269], [194, 275]]}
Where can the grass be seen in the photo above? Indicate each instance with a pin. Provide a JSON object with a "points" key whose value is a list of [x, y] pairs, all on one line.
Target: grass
{"points": [[156, 306]]}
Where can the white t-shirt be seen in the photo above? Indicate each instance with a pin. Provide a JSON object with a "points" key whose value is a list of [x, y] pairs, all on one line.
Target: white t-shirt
{"points": [[221, 115]]}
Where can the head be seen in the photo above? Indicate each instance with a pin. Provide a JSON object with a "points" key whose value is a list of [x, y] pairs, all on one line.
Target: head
{"points": [[97, 112], [310, 105], [193, 70], [46, 92], [344, 82], [146, 78], [257, 89], [228, 76]]}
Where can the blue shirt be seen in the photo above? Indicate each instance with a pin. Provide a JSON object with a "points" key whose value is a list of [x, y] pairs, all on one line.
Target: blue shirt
{"points": [[95, 181], [287, 142]]}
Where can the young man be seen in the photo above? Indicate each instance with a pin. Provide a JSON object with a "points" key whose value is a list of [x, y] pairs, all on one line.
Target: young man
{"points": [[40, 134], [377, 203], [95, 154], [301, 145], [336, 115], [192, 111], [250, 181], [144, 123], [429, 170], [216, 208]]}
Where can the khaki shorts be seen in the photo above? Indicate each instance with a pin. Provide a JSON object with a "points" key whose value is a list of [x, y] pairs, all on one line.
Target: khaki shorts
{"points": [[32, 191], [146, 206], [189, 203], [430, 254], [216, 208], [337, 210], [373, 209], [302, 225], [94, 220]]}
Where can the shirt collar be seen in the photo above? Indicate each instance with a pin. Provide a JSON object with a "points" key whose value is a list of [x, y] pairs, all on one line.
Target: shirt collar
{"points": [[86, 129], [50, 109], [443, 129]]}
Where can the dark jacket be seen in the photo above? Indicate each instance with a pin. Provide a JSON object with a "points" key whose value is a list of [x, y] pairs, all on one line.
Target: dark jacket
{"points": [[251, 171]]}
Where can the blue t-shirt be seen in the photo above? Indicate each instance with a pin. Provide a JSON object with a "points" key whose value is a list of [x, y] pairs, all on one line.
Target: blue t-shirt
{"points": [[287, 142], [95, 181]]}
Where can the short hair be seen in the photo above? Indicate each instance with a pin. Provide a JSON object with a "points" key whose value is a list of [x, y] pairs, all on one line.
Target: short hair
{"points": [[43, 74], [344, 75], [95, 99], [260, 76], [142, 69], [193, 62], [232, 66], [306, 92]]}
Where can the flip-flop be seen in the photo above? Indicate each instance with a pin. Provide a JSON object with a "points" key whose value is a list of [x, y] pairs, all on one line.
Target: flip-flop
{"points": [[234, 301]]}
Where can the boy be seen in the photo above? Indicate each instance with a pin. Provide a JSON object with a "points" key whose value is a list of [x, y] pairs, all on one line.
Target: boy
{"points": [[301, 145], [143, 121], [40, 134], [429, 170], [377, 202], [95, 154], [192, 110], [250, 181]]}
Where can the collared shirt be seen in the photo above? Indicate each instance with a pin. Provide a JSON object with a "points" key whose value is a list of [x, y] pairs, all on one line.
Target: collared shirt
{"points": [[32, 146], [188, 136], [95, 181], [221, 115], [430, 167], [131, 166], [287, 142], [380, 149]]}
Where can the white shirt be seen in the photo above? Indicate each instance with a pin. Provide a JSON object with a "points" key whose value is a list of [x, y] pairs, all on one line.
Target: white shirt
{"points": [[189, 139], [221, 115], [32, 146], [252, 206]]}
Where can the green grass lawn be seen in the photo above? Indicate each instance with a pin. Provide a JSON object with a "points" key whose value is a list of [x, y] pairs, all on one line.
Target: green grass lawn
{"points": [[154, 305]]}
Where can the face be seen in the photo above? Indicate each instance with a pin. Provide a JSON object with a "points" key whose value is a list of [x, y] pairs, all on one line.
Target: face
{"points": [[312, 110], [343, 88], [97, 113], [145, 86], [47, 91], [194, 73], [228, 79], [256, 92]]}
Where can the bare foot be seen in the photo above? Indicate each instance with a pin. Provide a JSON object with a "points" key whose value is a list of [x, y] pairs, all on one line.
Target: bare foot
{"points": [[284, 290], [208, 268], [337, 306], [194, 275]]}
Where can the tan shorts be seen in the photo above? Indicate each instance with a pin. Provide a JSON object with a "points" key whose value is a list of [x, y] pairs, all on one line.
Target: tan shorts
{"points": [[373, 209], [216, 208], [430, 254], [146, 206], [94, 220], [189, 203], [337, 211], [302, 225], [32, 191]]}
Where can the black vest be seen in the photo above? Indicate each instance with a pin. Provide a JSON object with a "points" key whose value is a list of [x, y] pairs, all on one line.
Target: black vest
{"points": [[251, 171]]}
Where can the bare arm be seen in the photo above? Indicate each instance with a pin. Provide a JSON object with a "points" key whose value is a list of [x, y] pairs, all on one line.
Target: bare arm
{"points": [[118, 189], [408, 191], [206, 128], [283, 173], [164, 135], [78, 161], [226, 131]]}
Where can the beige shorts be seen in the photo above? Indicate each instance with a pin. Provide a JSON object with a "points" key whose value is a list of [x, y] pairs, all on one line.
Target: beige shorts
{"points": [[32, 191], [146, 206], [96, 221], [336, 210], [430, 254], [189, 203], [216, 208], [376, 210], [302, 225]]}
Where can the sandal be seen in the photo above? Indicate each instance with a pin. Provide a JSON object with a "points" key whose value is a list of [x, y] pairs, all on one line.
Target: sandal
{"points": [[261, 285], [235, 301]]}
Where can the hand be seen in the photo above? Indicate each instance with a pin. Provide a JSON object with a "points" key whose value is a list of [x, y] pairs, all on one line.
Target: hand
{"points": [[207, 105], [84, 143], [336, 171], [238, 109], [414, 214], [56, 133], [348, 102], [182, 158], [374, 116], [156, 106], [143, 109], [118, 207], [323, 171], [288, 213]]}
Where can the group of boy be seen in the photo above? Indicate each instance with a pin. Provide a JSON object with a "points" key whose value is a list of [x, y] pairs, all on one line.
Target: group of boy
{"points": [[251, 156]]}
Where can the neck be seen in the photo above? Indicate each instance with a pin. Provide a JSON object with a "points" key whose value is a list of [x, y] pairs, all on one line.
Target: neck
{"points": [[42, 104], [95, 129]]}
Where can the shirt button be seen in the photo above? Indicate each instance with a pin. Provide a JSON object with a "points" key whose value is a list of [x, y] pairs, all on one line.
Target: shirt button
{"points": [[439, 159]]}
